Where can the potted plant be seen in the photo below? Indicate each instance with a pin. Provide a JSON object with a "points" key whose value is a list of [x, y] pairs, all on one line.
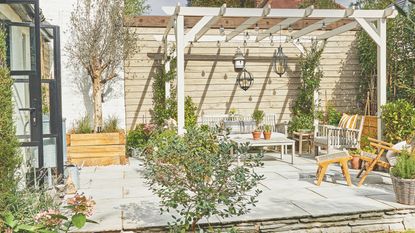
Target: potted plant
{"points": [[355, 162], [267, 132], [403, 178], [258, 117]]}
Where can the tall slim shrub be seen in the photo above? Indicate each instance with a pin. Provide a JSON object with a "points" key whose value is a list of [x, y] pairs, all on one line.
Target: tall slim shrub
{"points": [[9, 145]]}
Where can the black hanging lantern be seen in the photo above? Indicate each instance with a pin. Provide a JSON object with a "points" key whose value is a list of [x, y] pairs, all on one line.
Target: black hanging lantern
{"points": [[245, 80], [239, 61], [280, 62]]}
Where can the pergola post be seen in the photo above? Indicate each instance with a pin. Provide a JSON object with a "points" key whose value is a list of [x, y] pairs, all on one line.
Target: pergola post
{"points": [[180, 73], [381, 79], [167, 83]]}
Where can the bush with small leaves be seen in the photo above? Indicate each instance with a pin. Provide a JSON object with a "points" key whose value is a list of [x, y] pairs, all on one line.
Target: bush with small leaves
{"points": [[196, 176]]}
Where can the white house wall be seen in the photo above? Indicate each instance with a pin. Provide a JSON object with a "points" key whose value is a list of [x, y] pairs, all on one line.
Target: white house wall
{"points": [[75, 101]]}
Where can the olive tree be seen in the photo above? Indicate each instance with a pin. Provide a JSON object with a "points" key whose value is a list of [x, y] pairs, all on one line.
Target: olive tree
{"points": [[100, 43]]}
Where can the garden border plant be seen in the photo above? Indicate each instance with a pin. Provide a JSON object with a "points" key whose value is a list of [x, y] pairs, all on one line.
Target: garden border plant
{"points": [[195, 177]]}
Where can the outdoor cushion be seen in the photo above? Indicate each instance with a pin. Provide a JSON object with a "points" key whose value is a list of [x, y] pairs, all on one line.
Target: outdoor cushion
{"points": [[336, 155], [391, 155]]}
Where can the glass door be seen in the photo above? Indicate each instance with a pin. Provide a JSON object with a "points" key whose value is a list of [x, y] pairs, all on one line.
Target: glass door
{"points": [[37, 99]]}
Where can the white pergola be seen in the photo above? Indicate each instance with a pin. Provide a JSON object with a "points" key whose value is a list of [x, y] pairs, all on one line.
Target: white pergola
{"points": [[372, 21]]}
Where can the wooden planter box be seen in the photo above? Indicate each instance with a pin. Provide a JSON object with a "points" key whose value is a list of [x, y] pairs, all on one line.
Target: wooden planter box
{"points": [[99, 149]]}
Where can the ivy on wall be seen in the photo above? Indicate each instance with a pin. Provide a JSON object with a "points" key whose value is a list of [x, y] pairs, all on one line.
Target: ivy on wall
{"points": [[164, 109], [310, 73]]}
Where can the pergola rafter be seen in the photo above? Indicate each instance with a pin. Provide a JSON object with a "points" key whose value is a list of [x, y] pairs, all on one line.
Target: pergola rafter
{"points": [[372, 21]]}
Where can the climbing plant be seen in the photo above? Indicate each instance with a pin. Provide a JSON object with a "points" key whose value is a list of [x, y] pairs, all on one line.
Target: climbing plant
{"points": [[310, 74], [166, 108], [400, 55]]}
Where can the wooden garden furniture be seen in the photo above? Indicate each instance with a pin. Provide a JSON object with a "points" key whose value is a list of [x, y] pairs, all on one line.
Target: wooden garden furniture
{"points": [[302, 137], [344, 136], [323, 161], [374, 159]]}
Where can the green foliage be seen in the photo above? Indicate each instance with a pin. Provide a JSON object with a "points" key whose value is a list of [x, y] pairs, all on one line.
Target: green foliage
{"points": [[164, 109], [400, 55], [330, 116], [138, 138], [51, 220], [319, 4], [218, 3], [258, 116], [83, 126], [135, 7], [195, 176], [405, 166], [301, 121], [267, 128], [9, 146], [111, 125], [304, 109], [399, 119], [26, 203]]}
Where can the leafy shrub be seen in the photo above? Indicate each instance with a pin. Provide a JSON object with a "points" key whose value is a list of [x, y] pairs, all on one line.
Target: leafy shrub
{"points": [[195, 175], [405, 166], [138, 138], [258, 116], [301, 121], [83, 126], [53, 220], [333, 116], [111, 125], [9, 146], [399, 119]]}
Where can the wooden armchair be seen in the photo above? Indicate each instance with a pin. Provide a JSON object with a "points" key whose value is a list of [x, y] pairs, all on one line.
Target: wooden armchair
{"points": [[345, 136], [374, 159]]}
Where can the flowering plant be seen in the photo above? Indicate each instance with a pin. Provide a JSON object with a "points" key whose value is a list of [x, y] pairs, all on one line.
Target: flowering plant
{"points": [[54, 221]]}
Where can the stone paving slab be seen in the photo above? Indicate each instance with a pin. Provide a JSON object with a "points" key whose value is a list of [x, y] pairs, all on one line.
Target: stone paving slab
{"points": [[124, 201]]}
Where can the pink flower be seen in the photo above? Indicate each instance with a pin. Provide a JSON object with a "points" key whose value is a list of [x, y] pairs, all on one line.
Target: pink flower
{"points": [[81, 204], [49, 218]]}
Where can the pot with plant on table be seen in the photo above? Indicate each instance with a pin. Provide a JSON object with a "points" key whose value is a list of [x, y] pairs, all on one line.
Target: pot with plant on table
{"points": [[267, 132], [258, 117]]}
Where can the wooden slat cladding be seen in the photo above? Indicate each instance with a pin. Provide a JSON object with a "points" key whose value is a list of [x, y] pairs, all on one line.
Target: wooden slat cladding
{"points": [[211, 81]]}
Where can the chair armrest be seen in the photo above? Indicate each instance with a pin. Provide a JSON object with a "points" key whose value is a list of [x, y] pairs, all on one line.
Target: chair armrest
{"points": [[282, 127]]}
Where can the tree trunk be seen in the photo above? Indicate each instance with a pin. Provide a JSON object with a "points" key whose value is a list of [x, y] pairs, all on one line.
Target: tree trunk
{"points": [[97, 96]]}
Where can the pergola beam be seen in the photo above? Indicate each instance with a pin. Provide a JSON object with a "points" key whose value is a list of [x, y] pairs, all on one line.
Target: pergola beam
{"points": [[337, 31], [204, 25], [313, 27], [284, 24], [248, 23], [370, 29], [282, 13], [170, 24]]}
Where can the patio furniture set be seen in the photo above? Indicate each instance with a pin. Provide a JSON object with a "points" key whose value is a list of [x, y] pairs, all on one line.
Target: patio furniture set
{"points": [[336, 139]]}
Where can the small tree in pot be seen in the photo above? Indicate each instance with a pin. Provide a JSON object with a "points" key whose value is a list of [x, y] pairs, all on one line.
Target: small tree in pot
{"points": [[258, 116]]}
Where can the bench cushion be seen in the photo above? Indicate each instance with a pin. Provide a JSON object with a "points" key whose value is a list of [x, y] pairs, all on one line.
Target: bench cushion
{"points": [[336, 155]]}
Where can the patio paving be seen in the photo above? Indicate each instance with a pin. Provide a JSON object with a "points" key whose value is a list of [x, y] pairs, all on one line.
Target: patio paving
{"points": [[125, 203]]}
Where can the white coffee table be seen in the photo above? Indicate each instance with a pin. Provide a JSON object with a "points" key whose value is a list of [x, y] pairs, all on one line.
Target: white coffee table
{"points": [[282, 142]]}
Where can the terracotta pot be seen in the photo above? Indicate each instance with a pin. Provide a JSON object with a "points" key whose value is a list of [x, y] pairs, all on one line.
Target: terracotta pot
{"points": [[267, 135], [256, 135], [355, 162]]}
